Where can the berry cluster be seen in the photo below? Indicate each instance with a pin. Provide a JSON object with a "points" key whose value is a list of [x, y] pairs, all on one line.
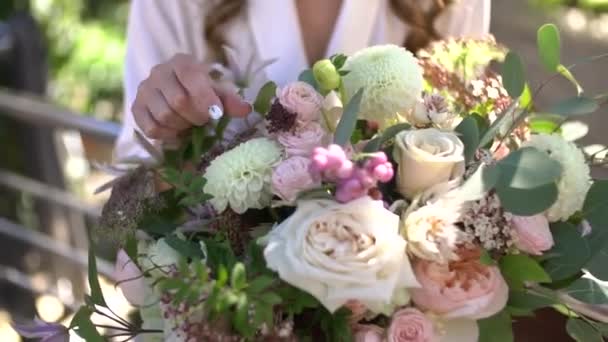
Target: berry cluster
{"points": [[353, 180]]}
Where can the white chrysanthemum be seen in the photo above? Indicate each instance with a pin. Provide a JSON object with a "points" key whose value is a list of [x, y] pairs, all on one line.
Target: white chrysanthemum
{"points": [[575, 179], [241, 177], [392, 80]]}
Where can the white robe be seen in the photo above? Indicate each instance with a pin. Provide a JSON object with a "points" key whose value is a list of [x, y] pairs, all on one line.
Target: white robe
{"points": [[159, 29]]}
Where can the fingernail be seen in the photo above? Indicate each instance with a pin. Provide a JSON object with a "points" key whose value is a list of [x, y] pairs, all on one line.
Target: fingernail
{"points": [[215, 112]]}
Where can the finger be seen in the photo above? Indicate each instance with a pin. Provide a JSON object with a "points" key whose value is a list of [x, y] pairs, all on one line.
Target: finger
{"points": [[196, 81], [163, 113], [234, 105], [150, 127], [181, 102]]}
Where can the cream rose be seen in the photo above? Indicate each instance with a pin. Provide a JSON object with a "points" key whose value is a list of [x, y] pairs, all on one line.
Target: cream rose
{"points": [[427, 157], [304, 140], [460, 289], [337, 252], [302, 99], [410, 325]]}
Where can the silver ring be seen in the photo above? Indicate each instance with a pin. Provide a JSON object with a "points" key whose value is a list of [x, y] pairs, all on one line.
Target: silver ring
{"points": [[215, 112]]}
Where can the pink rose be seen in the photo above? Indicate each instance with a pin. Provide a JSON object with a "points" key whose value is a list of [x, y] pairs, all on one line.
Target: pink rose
{"points": [[410, 325], [357, 309], [460, 289], [368, 333], [304, 140], [532, 233], [302, 99], [291, 177], [129, 279]]}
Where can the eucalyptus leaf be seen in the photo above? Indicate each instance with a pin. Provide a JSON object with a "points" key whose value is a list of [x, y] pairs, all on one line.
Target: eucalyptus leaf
{"points": [[504, 123], [497, 328], [527, 202], [513, 75], [578, 105], [389, 133], [598, 265], [567, 74], [571, 252], [588, 290], [348, 122], [545, 123], [265, 95], [96, 293], [469, 135], [531, 300], [520, 268], [549, 46], [479, 183], [307, 76], [595, 210], [528, 168], [581, 331]]}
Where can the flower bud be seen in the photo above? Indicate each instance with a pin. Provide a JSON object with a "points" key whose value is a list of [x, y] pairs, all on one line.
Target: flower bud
{"points": [[326, 75]]}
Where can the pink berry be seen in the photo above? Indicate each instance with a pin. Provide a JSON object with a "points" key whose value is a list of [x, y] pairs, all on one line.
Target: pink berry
{"points": [[384, 172]]}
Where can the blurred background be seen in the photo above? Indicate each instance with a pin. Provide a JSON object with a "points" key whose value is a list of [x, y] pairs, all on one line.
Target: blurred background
{"points": [[60, 108]]}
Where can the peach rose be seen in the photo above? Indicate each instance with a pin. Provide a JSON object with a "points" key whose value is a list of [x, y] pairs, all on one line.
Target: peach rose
{"points": [[302, 99], [460, 289], [532, 233], [304, 140], [410, 325], [130, 279], [368, 333], [291, 177]]}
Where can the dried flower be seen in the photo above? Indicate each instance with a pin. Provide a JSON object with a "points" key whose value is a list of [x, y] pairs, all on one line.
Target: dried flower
{"points": [[487, 223]]}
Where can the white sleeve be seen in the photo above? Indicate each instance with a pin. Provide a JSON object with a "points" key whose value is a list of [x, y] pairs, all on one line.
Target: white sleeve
{"points": [[153, 37], [465, 18]]}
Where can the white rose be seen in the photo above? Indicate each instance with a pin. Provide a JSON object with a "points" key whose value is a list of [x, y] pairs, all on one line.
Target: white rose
{"points": [[427, 157], [338, 252]]}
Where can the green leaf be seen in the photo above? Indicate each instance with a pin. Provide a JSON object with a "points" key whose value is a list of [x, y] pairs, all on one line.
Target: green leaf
{"points": [[486, 258], [545, 123], [96, 294], [513, 75], [82, 325], [497, 328], [578, 105], [595, 210], [188, 249], [528, 168], [260, 284], [219, 254], [597, 266], [263, 100], [271, 298], [238, 278], [567, 74], [348, 122], [156, 225], [388, 134], [527, 202], [570, 253], [339, 60], [526, 100], [241, 316], [308, 77], [589, 291], [549, 46], [531, 300], [198, 137], [582, 331], [506, 121], [469, 134], [479, 183], [519, 268]]}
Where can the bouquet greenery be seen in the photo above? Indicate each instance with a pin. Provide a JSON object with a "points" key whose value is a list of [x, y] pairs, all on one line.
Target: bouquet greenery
{"points": [[381, 197]]}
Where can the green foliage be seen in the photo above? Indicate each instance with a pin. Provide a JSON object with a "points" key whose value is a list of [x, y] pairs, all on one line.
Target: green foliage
{"points": [[563, 263], [527, 202], [479, 183], [595, 210], [388, 134], [589, 291], [496, 328], [82, 325], [519, 269], [513, 75], [219, 253], [188, 185], [96, 293], [469, 134], [307, 76], [528, 168], [348, 121], [502, 126], [530, 300], [597, 265], [549, 46], [578, 105], [188, 249], [582, 331], [264, 99], [545, 123], [336, 326], [296, 300]]}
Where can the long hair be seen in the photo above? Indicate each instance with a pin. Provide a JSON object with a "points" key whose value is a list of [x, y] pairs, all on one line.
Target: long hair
{"points": [[421, 22]]}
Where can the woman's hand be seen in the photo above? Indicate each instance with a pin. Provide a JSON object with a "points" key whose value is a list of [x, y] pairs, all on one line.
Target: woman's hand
{"points": [[180, 94]]}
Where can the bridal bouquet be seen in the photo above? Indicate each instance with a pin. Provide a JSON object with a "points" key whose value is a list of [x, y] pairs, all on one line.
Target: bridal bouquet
{"points": [[381, 197]]}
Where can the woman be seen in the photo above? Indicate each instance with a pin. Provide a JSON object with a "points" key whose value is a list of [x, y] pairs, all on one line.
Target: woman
{"points": [[171, 45]]}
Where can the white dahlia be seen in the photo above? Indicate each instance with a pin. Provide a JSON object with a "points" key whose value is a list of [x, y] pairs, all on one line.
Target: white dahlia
{"points": [[241, 177], [392, 82], [575, 179]]}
